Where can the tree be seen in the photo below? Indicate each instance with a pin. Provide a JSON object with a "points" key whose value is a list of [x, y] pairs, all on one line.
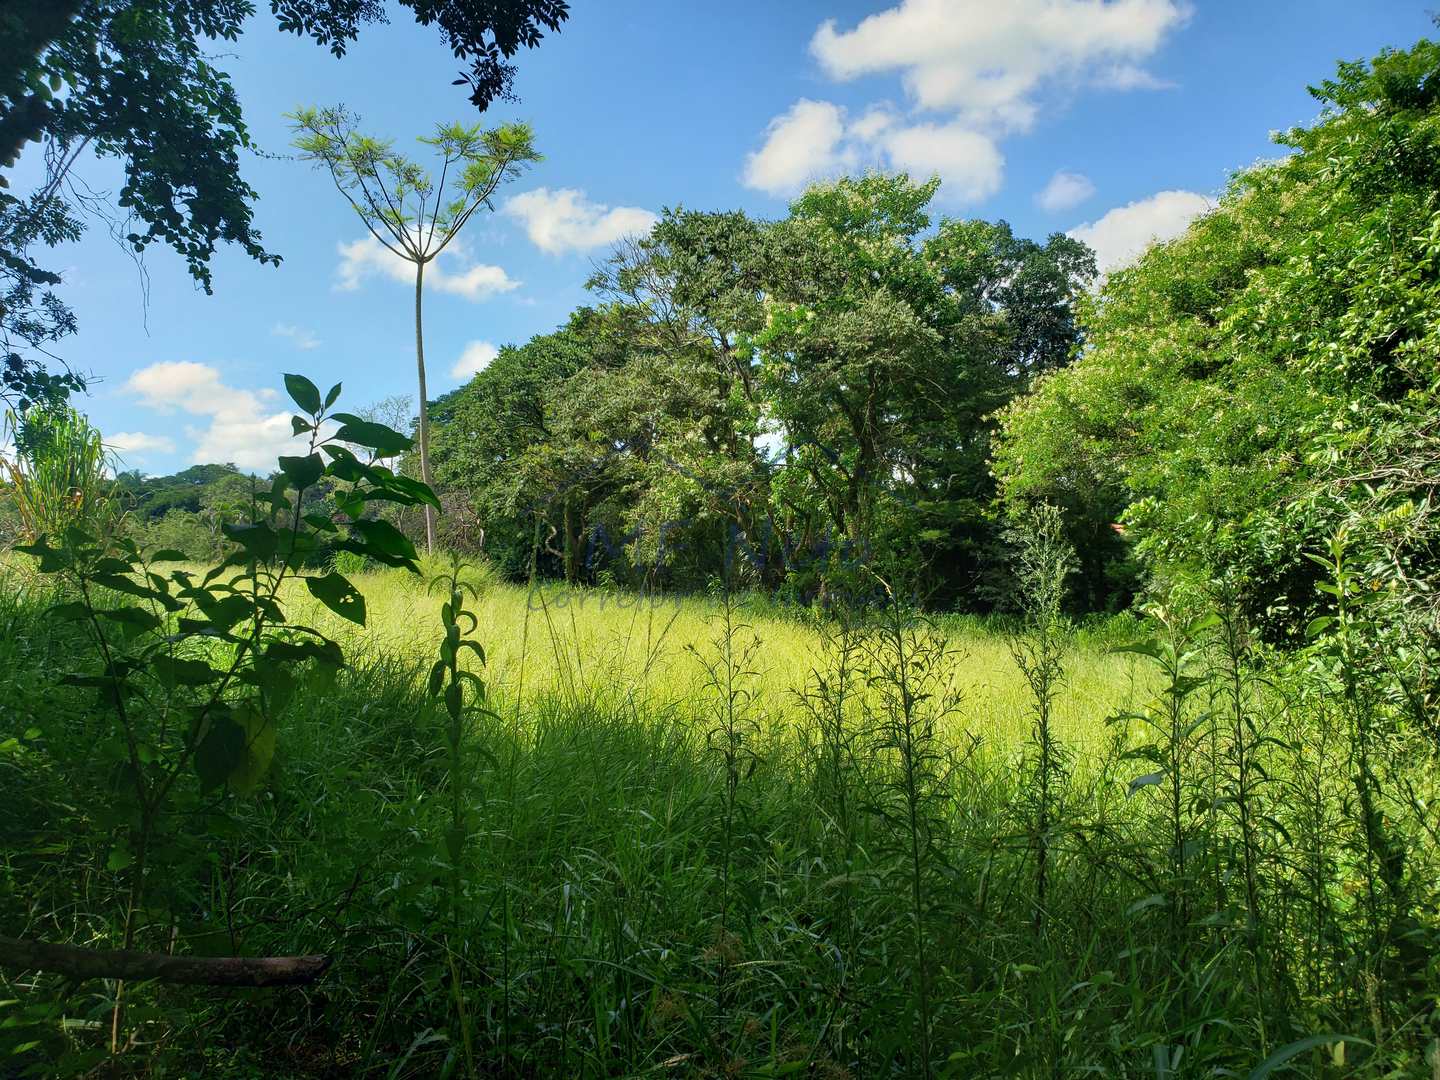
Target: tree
{"points": [[412, 215], [130, 79], [887, 351], [794, 395], [1270, 376]]}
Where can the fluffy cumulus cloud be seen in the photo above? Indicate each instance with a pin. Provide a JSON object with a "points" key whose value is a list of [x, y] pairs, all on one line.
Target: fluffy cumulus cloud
{"points": [[564, 220], [1065, 191], [474, 359], [987, 62], [983, 67], [453, 272], [298, 335], [247, 427], [1122, 234], [818, 139], [969, 163], [139, 443], [806, 142]]}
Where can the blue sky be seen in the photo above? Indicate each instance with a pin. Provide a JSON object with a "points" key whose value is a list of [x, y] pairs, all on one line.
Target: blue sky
{"points": [[1116, 118]]}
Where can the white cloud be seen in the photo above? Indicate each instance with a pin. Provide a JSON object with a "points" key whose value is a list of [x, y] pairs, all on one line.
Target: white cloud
{"points": [[985, 66], [1065, 191], [986, 62], [474, 359], [816, 140], [140, 443], [453, 272], [1130, 77], [969, 163], [803, 144], [1121, 235], [240, 426], [303, 338], [565, 220]]}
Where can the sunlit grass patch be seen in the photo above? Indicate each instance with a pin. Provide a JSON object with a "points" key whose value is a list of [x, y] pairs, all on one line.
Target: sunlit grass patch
{"points": [[581, 643]]}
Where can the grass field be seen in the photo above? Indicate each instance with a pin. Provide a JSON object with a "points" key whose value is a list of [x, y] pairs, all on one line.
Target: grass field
{"points": [[583, 644], [672, 865]]}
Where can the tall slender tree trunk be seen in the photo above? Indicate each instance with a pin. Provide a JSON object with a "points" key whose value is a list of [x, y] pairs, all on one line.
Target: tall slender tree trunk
{"points": [[424, 407]]}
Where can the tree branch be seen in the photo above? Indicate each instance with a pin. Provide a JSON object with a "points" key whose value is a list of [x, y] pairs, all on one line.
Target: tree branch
{"points": [[75, 962]]}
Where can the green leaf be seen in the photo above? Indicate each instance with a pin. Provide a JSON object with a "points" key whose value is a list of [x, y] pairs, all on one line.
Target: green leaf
{"points": [[333, 396], [303, 471], [304, 393], [220, 752], [299, 425], [258, 752], [176, 671], [1295, 1049], [1148, 780], [223, 613], [341, 597], [381, 540], [386, 442], [119, 858], [169, 555], [323, 651], [258, 539], [133, 617]]}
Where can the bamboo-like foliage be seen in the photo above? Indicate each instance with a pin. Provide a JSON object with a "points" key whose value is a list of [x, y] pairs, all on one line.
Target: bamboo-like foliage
{"points": [[60, 474]]}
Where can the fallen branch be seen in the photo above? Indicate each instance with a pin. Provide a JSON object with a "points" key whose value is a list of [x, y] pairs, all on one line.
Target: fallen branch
{"points": [[80, 963]]}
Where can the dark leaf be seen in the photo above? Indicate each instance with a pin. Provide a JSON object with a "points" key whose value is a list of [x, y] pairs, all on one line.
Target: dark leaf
{"points": [[341, 597], [304, 393]]}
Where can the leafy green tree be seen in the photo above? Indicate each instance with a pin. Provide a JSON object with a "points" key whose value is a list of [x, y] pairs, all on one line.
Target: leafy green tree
{"points": [[1248, 388], [497, 440], [887, 350], [774, 399], [413, 215], [131, 80]]}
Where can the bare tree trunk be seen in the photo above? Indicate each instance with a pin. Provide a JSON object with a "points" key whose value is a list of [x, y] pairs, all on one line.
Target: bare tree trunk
{"points": [[424, 409]]}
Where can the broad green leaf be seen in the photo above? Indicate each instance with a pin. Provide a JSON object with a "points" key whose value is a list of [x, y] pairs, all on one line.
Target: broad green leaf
{"points": [[303, 472], [386, 442], [221, 751], [177, 671], [341, 597], [258, 751], [304, 393], [1295, 1049], [258, 539]]}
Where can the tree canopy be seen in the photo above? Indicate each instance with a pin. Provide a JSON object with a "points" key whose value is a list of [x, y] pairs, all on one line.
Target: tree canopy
{"points": [[1270, 377], [773, 398], [132, 80]]}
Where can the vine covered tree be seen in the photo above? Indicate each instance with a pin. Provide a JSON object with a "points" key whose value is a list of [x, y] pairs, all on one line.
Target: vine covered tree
{"points": [[413, 215]]}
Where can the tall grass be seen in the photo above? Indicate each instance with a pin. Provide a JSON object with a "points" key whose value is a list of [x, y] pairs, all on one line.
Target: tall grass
{"points": [[844, 801]]}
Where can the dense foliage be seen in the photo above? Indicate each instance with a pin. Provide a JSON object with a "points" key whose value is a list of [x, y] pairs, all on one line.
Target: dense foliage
{"points": [[264, 815], [1271, 376], [772, 400], [133, 80]]}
